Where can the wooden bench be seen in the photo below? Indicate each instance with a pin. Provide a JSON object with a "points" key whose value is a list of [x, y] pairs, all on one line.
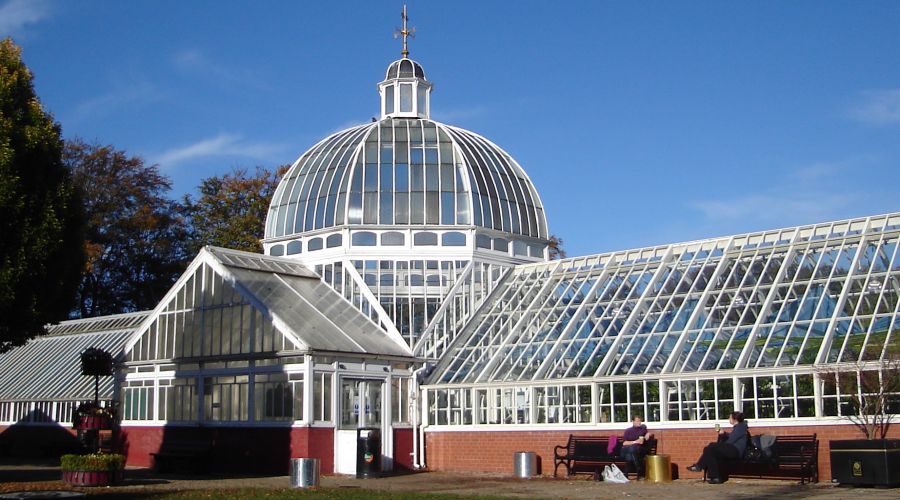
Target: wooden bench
{"points": [[180, 455], [587, 454], [793, 457]]}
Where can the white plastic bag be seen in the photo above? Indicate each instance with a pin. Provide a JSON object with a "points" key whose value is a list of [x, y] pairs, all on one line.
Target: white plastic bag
{"points": [[612, 474]]}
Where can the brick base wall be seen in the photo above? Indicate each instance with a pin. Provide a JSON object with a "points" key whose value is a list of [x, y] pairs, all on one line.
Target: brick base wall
{"points": [[492, 450], [237, 449], [43, 440]]}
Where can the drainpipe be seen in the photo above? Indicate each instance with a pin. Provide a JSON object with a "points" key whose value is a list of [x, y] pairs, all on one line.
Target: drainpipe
{"points": [[415, 418]]}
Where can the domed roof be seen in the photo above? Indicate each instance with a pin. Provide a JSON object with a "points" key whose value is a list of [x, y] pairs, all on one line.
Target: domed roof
{"points": [[405, 172], [404, 68]]}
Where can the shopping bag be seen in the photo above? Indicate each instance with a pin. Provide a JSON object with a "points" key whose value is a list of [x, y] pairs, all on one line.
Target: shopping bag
{"points": [[612, 474]]}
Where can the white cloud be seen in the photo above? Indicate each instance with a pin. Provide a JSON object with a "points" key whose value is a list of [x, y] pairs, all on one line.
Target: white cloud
{"points": [[802, 194], [220, 145], [817, 171], [773, 208], [195, 61], [878, 107], [15, 15], [124, 95]]}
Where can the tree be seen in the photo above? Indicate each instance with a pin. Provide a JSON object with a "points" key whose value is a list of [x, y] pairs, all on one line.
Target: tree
{"points": [[41, 230], [556, 249], [231, 210], [869, 392], [135, 240]]}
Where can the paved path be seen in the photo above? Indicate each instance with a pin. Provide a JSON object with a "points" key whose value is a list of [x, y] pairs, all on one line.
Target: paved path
{"points": [[30, 476]]}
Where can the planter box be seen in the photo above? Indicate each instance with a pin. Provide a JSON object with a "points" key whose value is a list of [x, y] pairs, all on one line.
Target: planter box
{"points": [[865, 462], [91, 478], [94, 422]]}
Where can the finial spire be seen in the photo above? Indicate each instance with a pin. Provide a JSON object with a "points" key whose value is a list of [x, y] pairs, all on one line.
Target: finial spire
{"points": [[404, 32]]}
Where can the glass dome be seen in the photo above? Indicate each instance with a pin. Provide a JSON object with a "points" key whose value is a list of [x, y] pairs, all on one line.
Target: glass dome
{"points": [[405, 171]]}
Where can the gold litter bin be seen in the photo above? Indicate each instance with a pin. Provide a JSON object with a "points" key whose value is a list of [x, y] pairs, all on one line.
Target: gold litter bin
{"points": [[659, 468]]}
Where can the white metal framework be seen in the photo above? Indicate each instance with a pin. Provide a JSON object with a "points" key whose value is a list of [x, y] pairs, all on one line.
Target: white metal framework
{"points": [[406, 216], [41, 382], [680, 332]]}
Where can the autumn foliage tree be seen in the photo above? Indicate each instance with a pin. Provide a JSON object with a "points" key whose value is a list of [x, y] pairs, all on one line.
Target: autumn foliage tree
{"points": [[136, 236], [556, 248], [40, 214], [231, 209]]}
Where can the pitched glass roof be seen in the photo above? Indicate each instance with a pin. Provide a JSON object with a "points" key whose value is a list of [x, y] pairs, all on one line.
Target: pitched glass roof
{"points": [[49, 367], [798, 296], [307, 313]]}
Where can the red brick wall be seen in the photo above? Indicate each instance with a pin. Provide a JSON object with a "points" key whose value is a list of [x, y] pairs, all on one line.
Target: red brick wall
{"points": [[246, 449], [44, 440], [492, 450]]}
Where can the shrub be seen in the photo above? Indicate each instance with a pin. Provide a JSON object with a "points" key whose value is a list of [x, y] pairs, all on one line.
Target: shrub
{"points": [[93, 462]]}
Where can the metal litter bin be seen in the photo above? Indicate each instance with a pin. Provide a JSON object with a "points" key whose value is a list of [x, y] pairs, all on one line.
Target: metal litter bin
{"points": [[304, 472], [524, 464], [368, 452], [659, 468]]}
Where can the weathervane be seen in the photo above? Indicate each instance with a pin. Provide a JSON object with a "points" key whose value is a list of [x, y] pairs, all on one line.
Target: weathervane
{"points": [[405, 32]]}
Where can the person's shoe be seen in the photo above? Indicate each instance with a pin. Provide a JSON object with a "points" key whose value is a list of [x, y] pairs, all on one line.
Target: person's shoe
{"points": [[714, 480], [695, 468]]}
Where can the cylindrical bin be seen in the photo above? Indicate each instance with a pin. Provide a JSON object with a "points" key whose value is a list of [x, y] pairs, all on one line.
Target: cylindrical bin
{"points": [[368, 452], [524, 464], [659, 468], [304, 472]]}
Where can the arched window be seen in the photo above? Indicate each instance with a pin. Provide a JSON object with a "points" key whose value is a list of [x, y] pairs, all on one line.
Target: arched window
{"points": [[416, 280], [294, 247], [393, 239], [363, 239], [425, 239], [335, 240], [482, 241], [453, 239], [277, 250], [501, 245], [314, 244]]}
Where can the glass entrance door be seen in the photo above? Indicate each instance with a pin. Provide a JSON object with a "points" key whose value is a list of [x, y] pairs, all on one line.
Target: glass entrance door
{"points": [[359, 406], [360, 403]]}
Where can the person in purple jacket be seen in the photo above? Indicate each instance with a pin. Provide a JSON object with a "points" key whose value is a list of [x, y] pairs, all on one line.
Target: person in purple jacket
{"points": [[633, 445]]}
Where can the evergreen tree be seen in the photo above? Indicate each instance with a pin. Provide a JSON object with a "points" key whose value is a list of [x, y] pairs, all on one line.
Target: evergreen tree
{"points": [[41, 236]]}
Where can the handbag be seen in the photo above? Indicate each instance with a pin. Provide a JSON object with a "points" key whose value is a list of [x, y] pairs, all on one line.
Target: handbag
{"points": [[612, 474]]}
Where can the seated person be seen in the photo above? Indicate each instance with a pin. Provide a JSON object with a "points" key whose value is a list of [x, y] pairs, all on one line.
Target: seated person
{"points": [[732, 447], [633, 445]]}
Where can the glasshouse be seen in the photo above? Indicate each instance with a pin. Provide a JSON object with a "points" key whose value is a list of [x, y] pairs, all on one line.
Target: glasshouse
{"points": [[406, 286]]}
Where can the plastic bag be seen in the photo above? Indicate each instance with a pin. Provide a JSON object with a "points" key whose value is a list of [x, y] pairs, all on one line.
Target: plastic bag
{"points": [[612, 474]]}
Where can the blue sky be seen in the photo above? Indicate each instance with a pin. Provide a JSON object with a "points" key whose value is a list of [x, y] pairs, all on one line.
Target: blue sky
{"points": [[639, 122]]}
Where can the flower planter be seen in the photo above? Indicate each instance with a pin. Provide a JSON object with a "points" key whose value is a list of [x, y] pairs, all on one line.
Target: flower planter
{"points": [[91, 477], [866, 462], [94, 422]]}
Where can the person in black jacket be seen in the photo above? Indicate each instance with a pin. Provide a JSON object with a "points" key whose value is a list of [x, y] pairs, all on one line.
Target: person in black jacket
{"points": [[732, 447]]}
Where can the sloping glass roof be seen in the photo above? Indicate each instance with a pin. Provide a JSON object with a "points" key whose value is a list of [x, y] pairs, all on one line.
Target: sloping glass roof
{"points": [[255, 294], [808, 295], [49, 367], [406, 171]]}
